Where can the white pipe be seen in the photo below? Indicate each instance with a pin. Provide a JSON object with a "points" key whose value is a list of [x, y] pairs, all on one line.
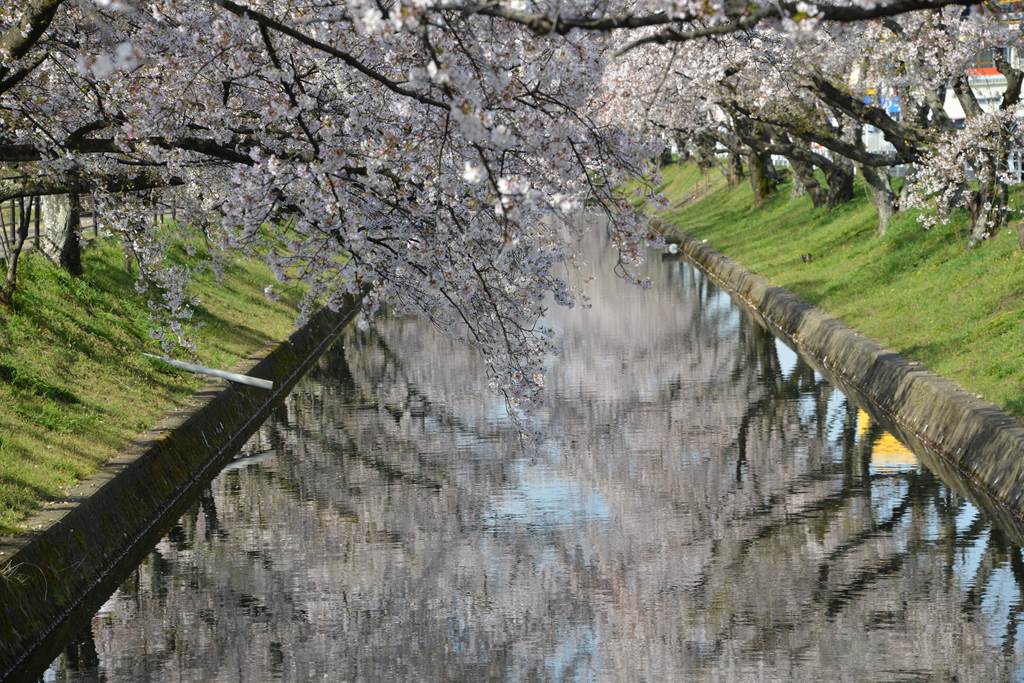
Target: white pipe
{"points": [[249, 460], [203, 370]]}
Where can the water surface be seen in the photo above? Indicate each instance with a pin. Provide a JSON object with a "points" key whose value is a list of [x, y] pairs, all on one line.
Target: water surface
{"points": [[705, 507]]}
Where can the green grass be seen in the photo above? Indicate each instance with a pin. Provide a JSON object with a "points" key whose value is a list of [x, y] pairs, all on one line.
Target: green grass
{"points": [[74, 385], [918, 292]]}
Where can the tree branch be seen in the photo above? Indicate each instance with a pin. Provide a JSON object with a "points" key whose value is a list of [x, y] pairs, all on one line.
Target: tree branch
{"points": [[13, 79], [271, 23], [13, 189], [968, 100], [17, 40], [25, 152], [827, 139], [547, 23], [1014, 79], [907, 141]]}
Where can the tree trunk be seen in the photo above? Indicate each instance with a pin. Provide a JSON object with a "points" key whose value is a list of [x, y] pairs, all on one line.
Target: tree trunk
{"points": [[735, 169], [988, 212], [908, 184], [54, 220], [798, 190], [882, 195], [988, 204], [763, 179], [803, 177], [36, 211], [11, 277], [839, 178], [71, 249], [60, 232], [60, 238]]}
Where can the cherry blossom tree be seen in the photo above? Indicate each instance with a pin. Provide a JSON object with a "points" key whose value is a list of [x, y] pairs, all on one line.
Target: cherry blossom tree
{"points": [[432, 155], [804, 95], [426, 159]]}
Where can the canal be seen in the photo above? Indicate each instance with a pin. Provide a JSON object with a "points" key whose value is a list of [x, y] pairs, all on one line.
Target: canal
{"points": [[704, 505]]}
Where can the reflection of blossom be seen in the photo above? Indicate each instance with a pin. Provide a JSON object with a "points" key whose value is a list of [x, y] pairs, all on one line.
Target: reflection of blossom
{"points": [[693, 514]]}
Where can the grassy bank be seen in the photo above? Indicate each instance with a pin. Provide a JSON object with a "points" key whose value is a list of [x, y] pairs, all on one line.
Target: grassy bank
{"points": [[919, 292], [74, 385]]}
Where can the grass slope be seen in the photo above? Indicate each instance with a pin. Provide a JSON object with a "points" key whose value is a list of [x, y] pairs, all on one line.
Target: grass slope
{"points": [[919, 292], [74, 386]]}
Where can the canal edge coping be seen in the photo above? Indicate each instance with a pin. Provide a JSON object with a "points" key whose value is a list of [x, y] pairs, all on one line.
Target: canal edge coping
{"points": [[982, 443], [74, 547]]}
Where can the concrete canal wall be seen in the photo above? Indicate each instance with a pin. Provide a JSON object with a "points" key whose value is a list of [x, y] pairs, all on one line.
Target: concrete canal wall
{"points": [[52, 577], [975, 440]]}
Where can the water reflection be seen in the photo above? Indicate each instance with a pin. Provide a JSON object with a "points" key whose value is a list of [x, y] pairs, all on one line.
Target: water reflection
{"points": [[706, 506]]}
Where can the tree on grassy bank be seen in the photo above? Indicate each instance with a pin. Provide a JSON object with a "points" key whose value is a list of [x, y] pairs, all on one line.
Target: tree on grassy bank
{"points": [[910, 81], [439, 152], [14, 249]]}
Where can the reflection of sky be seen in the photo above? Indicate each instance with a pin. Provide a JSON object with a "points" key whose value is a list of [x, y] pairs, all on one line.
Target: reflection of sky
{"points": [[787, 357], [1001, 593], [886, 495], [573, 657], [965, 517], [806, 407], [968, 559], [932, 525], [720, 306], [544, 498], [730, 321], [836, 416]]}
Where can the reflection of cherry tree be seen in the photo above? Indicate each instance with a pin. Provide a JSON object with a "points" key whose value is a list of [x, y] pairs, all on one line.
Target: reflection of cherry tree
{"points": [[709, 511], [764, 552]]}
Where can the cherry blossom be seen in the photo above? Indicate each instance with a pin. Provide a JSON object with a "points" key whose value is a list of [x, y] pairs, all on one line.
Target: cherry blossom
{"points": [[433, 156]]}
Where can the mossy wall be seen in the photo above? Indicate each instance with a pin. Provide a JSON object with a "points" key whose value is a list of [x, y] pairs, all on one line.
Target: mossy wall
{"points": [[52, 577]]}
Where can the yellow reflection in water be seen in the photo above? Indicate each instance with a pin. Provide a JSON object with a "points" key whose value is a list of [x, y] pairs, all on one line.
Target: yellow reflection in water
{"points": [[888, 453]]}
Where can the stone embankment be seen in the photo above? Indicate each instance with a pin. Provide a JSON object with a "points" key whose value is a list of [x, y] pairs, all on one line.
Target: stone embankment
{"points": [[975, 445], [52, 577]]}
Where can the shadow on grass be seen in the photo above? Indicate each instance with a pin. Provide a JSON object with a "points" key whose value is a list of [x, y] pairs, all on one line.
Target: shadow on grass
{"points": [[228, 331], [1015, 405], [25, 381]]}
